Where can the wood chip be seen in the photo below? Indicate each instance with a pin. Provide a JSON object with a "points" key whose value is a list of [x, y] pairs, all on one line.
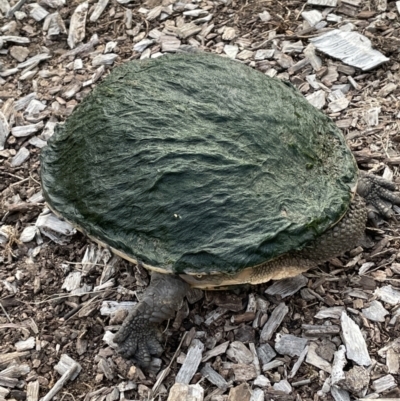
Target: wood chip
{"points": [[287, 344], [334, 312], [187, 30], [192, 362], [24, 345], [317, 99], [77, 26], [356, 348], [26, 130], [388, 294], [182, 391], [350, 47], [218, 350], [392, 361], [298, 363], [315, 360], [239, 353], [98, 10], [284, 386], [285, 288], [312, 17], [324, 3], [215, 378], [339, 394], [32, 391], [243, 372], [71, 373], [339, 362], [384, 383], [239, 393], [21, 157], [375, 312], [231, 51], [277, 315]]}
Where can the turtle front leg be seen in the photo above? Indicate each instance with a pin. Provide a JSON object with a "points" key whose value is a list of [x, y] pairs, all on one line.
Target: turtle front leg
{"points": [[375, 190], [139, 335]]}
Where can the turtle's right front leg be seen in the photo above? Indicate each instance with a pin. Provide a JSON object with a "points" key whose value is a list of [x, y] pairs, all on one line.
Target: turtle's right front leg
{"points": [[138, 337]]}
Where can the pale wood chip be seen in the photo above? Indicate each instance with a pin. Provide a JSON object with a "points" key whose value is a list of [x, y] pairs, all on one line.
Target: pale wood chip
{"points": [[375, 312], [273, 322], [98, 10], [315, 360], [181, 391], [385, 383], [287, 287], [77, 26], [356, 348], [192, 361], [32, 391], [339, 362], [239, 353], [212, 376], [287, 344]]}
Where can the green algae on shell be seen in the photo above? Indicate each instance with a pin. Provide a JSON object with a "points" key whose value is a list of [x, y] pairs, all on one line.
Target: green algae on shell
{"points": [[195, 163]]}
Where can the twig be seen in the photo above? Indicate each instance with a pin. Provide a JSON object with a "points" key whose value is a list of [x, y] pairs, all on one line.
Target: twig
{"points": [[166, 371], [8, 317], [61, 382]]}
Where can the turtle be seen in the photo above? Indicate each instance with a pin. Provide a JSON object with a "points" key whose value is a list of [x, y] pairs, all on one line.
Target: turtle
{"points": [[210, 174]]}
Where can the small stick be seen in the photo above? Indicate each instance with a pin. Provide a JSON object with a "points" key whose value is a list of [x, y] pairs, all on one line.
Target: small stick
{"points": [[61, 382]]}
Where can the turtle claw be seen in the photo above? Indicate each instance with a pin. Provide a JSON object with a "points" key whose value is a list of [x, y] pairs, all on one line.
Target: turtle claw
{"points": [[378, 192], [139, 336], [138, 340]]}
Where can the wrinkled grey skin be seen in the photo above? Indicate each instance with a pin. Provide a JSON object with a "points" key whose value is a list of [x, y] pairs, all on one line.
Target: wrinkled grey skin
{"points": [[139, 337]]}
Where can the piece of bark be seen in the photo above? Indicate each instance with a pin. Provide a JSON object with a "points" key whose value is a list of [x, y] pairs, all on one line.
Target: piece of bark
{"points": [[313, 330], [239, 353], [65, 364], [257, 395], [244, 372], [315, 360], [32, 391], [284, 386], [26, 130], [265, 353], [285, 288], [339, 394], [392, 361], [356, 348], [99, 8], [271, 365], [287, 344], [7, 358], [277, 315], [375, 312], [239, 393], [25, 344], [181, 391], [350, 47], [384, 383], [218, 350], [192, 362], [256, 361], [215, 378], [298, 363], [77, 26], [339, 362], [21, 157], [388, 294]]}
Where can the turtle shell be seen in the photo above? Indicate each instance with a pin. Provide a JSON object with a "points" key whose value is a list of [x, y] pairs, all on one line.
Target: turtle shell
{"points": [[195, 163]]}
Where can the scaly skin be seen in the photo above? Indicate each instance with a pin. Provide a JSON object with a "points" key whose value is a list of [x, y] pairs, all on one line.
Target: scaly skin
{"points": [[139, 337]]}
